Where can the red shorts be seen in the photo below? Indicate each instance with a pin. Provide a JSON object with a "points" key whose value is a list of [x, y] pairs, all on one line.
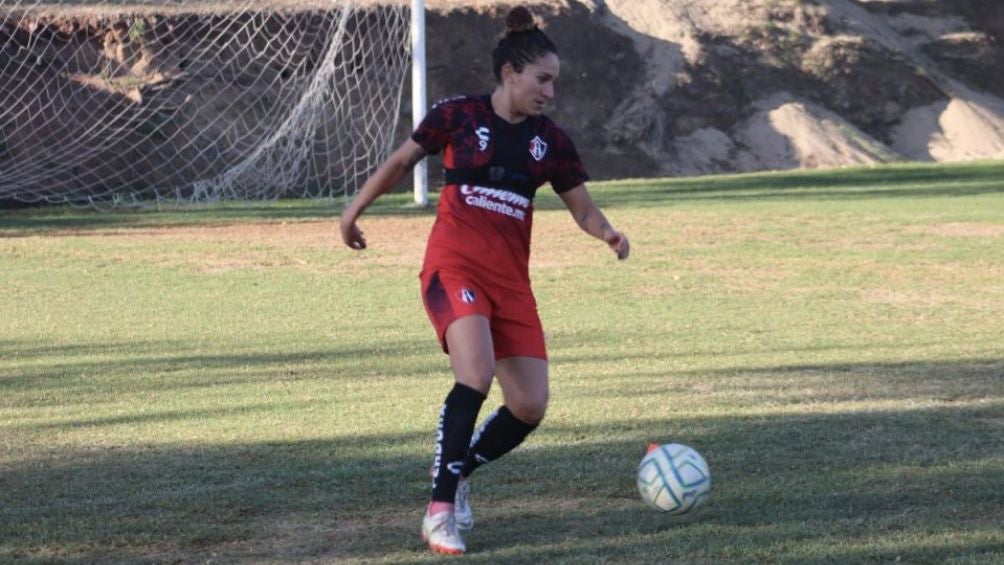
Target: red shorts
{"points": [[515, 325]]}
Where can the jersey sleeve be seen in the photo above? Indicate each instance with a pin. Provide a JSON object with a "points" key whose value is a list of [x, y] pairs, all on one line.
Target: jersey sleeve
{"points": [[568, 172], [433, 131]]}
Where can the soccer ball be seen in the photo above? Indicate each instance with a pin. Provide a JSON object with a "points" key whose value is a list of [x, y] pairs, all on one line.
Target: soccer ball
{"points": [[673, 478]]}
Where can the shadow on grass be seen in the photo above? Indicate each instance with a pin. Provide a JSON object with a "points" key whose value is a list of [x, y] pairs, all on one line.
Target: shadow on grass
{"points": [[889, 181], [65, 375], [892, 181], [919, 485], [948, 381], [897, 181], [60, 219]]}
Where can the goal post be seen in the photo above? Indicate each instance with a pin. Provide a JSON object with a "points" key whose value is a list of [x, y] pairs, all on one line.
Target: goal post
{"points": [[137, 102], [419, 102]]}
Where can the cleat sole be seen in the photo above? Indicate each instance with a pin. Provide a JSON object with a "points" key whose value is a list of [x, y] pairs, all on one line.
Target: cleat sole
{"points": [[440, 549]]}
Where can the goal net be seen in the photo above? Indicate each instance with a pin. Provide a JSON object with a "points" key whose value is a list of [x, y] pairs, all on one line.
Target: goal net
{"points": [[139, 102]]}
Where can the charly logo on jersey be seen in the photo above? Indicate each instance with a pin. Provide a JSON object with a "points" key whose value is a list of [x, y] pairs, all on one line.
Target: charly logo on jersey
{"points": [[482, 133], [467, 296], [538, 148]]}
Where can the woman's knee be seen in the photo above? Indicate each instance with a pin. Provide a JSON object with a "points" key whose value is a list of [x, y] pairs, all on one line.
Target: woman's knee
{"points": [[529, 410], [473, 368], [472, 355], [476, 373]]}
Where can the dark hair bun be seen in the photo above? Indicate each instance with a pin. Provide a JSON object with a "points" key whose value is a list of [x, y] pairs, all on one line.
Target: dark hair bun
{"points": [[519, 20]]}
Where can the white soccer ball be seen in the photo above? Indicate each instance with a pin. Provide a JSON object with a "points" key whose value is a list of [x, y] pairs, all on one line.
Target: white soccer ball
{"points": [[674, 478]]}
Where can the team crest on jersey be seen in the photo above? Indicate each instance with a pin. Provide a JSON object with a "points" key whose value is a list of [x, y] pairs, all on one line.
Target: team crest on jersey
{"points": [[538, 148], [467, 296]]}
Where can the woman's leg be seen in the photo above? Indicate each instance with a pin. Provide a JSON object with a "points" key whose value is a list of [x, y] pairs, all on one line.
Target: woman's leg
{"points": [[472, 357], [524, 385]]}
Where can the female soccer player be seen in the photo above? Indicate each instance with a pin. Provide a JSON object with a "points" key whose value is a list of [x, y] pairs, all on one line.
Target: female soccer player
{"points": [[498, 149]]}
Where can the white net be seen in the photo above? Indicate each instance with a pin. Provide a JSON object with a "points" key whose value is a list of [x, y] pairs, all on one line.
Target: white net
{"points": [[188, 101]]}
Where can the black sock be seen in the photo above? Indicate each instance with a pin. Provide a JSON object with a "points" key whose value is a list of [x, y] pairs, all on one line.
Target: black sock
{"points": [[456, 424], [499, 434]]}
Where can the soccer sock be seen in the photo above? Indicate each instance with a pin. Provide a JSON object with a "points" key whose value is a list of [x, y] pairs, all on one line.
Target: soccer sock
{"points": [[499, 434], [456, 424]]}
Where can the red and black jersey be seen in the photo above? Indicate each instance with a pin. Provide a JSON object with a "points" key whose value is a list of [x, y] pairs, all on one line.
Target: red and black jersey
{"points": [[492, 169]]}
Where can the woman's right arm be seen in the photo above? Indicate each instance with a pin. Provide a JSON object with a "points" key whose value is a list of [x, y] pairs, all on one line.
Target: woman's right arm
{"points": [[399, 164]]}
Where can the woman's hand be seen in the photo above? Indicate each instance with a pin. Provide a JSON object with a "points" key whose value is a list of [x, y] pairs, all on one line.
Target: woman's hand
{"points": [[618, 242], [592, 221], [351, 234], [400, 162]]}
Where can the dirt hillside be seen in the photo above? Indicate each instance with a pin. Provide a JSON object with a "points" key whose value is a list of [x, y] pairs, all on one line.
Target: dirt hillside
{"points": [[684, 87], [647, 87]]}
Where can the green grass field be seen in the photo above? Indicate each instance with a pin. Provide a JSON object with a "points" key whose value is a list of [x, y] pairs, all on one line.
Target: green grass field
{"points": [[229, 383]]}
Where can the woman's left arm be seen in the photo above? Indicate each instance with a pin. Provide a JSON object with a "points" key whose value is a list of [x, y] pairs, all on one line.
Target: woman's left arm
{"points": [[592, 221]]}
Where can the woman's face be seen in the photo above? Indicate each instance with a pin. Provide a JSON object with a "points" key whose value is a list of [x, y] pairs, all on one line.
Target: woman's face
{"points": [[531, 89]]}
